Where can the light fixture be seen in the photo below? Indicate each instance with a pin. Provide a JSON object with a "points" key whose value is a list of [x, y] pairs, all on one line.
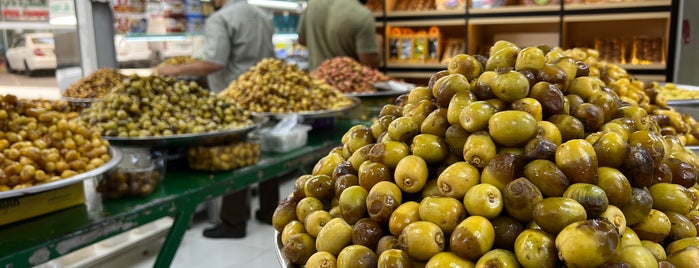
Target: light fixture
{"points": [[279, 5], [146, 38]]}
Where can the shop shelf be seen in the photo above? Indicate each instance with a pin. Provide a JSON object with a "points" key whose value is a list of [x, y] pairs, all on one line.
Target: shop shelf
{"points": [[611, 7]]}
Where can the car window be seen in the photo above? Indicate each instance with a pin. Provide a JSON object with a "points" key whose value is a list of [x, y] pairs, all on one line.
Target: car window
{"points": [[42, 40], [19, 42]]}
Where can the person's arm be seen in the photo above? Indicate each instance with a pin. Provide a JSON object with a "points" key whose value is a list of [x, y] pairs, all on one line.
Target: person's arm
{"points": [[301, 29], [198, 68], [370, 59], [367, 49]]}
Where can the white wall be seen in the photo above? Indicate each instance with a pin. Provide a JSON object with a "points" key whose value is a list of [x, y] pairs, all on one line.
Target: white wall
{"points": [[687, 55]]}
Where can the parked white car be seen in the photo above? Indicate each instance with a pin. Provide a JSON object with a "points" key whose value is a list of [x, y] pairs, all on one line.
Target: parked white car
{"points": [[31, 52]]}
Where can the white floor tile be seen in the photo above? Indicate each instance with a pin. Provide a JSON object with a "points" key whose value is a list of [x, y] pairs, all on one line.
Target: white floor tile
{"points": [[256, 250]]}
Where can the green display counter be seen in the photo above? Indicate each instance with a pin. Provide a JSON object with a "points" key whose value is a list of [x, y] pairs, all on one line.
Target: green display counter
{"points": [[37, 240]]}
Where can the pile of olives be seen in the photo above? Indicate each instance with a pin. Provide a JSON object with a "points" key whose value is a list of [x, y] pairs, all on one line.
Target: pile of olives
{"points": [[96, 85], [347, 75], [144, 106], [235, 154], [520, 159], [39, 144], [275, 86], [649, 96], [177, 60]]}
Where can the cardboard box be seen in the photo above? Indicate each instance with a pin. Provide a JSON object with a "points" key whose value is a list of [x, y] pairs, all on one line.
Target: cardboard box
{"points": [[27, 206]]}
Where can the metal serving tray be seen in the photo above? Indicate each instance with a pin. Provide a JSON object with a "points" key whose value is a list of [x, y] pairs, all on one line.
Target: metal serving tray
{"points": [[189, 139], [316, 114], [115, 155]]}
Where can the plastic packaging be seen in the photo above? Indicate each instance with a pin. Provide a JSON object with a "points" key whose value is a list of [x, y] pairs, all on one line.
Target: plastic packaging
{"points": [[138, 174], [288, 134], [229, 156]]}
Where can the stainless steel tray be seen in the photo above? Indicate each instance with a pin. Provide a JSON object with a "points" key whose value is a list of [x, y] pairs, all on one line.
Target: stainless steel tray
{"points": [[379, 93], [283, 261], [186, 139], [115, 155], [690, 102], [317, 114], [80, 102]]}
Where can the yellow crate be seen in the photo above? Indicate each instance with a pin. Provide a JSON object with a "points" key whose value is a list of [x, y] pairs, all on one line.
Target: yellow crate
{"points": [[23, 207]]}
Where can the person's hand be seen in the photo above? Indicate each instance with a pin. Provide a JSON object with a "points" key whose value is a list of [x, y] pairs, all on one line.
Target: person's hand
{"points": [[167, 70]]}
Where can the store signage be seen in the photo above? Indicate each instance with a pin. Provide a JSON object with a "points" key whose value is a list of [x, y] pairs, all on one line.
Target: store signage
{"points": [[62, 11], [24, 10]]}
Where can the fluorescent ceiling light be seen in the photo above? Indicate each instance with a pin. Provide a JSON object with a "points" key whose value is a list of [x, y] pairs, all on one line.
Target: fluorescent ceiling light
{"points": [[64, 20], [146, 38], [281, 5]]}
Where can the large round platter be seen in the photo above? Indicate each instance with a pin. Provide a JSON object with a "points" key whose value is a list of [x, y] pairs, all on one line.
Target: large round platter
{"points": [[317, 114], [283, 261], [685, 101], [185, 139], [115, 157], [80, 102], [376, 94]]}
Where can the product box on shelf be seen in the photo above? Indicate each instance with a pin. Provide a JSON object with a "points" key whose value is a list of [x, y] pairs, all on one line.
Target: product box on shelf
{"points": [[195, 23], [405, 45], [490, 3], [173, 8], [450, 4], [192, 7], [23, 207], [540, 2]]}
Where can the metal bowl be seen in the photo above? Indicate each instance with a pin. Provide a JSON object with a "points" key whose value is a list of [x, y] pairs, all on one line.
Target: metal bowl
{"points": [[316, 114], [189, 139], [115, 155]]}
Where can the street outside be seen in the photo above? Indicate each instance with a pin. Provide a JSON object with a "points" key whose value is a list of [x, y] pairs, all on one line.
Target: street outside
{"points": [[42, 85]]}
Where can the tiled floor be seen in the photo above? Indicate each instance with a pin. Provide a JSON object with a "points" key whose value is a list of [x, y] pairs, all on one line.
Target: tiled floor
{"points": [[256, 250]]}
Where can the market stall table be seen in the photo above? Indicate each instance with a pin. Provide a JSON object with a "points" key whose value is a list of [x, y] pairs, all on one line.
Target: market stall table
{"points": [[38, 240]]}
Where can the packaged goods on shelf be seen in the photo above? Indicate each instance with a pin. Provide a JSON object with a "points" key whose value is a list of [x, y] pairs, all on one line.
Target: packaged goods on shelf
{"points": [[540, 2], [129, 6], [408, 5], [175, 25], [406, 45], [195, 23], [192, 7], [453, 47], [611, 49], [130, 23], [647, 50], [490, 3], [173, 8], [450, 4]]}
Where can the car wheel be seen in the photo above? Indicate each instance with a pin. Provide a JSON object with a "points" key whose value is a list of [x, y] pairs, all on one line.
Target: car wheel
{"points": [[9, 67], [28, 71]]}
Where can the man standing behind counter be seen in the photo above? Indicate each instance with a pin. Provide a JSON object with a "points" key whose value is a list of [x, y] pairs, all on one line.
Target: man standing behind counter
{"points": [[335, 28], [238, 36]]}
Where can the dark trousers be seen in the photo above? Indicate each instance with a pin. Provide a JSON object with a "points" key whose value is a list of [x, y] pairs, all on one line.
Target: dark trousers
{"points": [[235, 208]]}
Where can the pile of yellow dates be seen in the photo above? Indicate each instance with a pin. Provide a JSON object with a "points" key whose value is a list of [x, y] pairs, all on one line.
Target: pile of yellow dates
{"points": [[39, 144], [522, 159], [649, 96], [274, 86]]}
